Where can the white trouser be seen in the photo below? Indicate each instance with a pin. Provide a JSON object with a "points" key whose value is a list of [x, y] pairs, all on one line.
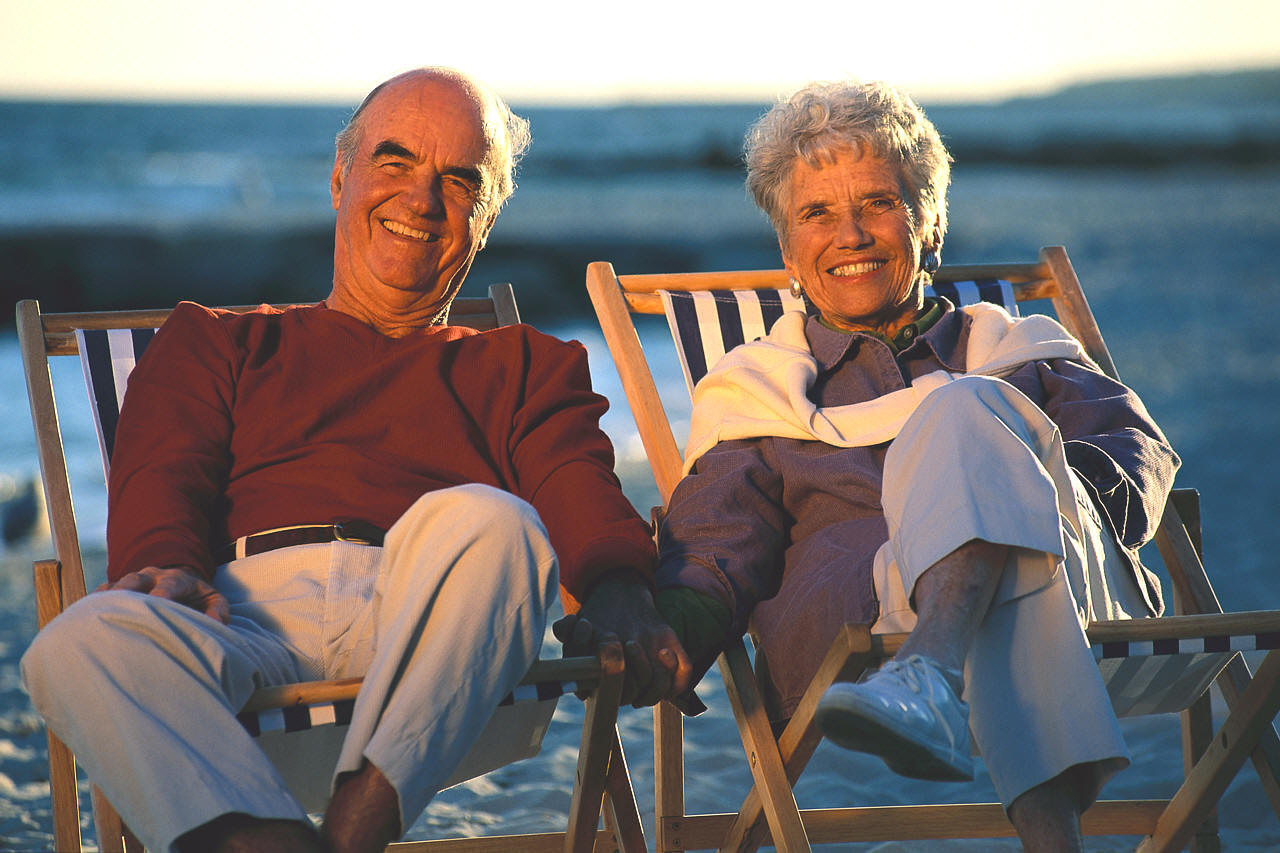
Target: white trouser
{"points": [[442, 621], [979, 460]]}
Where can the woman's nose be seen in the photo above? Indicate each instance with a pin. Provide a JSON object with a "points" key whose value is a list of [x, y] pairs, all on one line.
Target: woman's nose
{"points": [[849, 230]]}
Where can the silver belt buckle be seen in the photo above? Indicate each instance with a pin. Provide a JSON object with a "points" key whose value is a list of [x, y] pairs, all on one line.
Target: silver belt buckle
{"points": [[347, 531]]}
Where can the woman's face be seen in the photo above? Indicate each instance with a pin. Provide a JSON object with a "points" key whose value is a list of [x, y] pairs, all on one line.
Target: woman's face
{"points": [[854, 243]]}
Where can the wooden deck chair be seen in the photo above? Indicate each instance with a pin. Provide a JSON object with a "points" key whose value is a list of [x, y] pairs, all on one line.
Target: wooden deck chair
{"points": [[301, 719], [711, 312]]}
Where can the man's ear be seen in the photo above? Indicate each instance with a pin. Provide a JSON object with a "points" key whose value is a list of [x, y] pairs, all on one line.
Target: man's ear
{"points": [[335, 183], [484, 231]]}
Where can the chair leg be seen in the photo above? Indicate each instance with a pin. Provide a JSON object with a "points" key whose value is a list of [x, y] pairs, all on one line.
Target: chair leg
{"points": [[1222, 760], [65, 798], [848, 656], [599, 731], [111, 830], [621, 812], [668, 776], [778, 801], [1197, 735]]}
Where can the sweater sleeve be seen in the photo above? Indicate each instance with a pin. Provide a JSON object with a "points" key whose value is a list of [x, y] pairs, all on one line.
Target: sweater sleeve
{"points": [[1111, 442], [725, 531], [564, 465], [170, 460]]}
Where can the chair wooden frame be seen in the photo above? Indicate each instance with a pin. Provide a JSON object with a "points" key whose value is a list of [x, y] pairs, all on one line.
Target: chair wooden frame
{"points": [[602, 783], [770, 814]]}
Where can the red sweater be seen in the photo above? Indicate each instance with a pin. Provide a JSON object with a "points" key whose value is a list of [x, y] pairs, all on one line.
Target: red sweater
{"points": [[239, 423]]}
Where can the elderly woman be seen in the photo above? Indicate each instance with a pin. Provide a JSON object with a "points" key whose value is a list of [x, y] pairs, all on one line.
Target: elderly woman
{"points": [[888, 458]]}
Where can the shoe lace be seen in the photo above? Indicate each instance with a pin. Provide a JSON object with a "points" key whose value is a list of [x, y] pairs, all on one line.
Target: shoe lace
{"points": [[914, 672]]}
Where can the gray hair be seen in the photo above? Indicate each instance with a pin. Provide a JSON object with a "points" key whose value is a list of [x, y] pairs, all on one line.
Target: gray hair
{"points": [[507, 133], [822, 118]]}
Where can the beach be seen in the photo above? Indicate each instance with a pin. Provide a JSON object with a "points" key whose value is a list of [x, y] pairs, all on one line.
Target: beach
{"points": [[1176, 254]]}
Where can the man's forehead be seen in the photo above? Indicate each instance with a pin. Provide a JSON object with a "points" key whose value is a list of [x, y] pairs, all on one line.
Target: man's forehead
{"points": [[409, 110]]}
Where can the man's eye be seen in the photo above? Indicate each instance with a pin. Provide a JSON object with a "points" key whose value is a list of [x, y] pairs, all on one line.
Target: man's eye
{"points": [[460, 185]]}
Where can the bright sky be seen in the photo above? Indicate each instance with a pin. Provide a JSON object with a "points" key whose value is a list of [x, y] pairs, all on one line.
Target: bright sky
{"points": [[539, 51]]}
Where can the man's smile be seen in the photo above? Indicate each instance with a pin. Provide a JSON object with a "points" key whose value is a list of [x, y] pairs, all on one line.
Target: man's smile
{"points": [[405, 231]]}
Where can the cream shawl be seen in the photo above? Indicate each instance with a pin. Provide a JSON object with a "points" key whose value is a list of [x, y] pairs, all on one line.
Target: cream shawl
{"points": [[761, 388]]}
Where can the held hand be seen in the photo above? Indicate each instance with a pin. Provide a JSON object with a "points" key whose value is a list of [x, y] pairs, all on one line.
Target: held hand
{"points": [[182, 585], [622, 611]]}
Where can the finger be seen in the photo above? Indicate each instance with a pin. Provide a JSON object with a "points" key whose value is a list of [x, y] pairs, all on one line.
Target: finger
{"points": [[177, 586], [140, 581], [584, 639], [682, 672], [647, 683], [217, 607], [562, 629]]}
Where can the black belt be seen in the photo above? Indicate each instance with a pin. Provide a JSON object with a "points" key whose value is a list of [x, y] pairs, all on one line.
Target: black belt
{"points": [[360, 532]]}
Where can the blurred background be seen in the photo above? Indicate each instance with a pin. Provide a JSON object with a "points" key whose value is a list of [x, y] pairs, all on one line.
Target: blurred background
{"points": [[151, 153]]}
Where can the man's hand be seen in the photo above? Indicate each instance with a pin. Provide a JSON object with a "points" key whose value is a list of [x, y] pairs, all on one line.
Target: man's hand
{"points": [[622, 611], [176, 583]]}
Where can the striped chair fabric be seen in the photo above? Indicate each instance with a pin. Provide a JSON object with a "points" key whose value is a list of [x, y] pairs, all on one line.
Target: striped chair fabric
{"points": [[708, 323], [1142, 678], [107, 356]]}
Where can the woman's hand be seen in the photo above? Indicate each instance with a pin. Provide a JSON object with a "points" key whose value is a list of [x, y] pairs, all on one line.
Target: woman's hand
{"points": [[176, 583]]}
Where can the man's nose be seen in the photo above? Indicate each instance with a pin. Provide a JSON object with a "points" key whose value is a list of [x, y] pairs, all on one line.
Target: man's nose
{"points": [[424, 197]]}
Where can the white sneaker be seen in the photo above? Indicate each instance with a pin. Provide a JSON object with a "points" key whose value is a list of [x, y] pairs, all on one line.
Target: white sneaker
{"points": [[908, 714]]}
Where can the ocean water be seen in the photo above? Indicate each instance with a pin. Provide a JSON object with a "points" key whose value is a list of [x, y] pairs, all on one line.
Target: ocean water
{"points": [[1176, 252]]}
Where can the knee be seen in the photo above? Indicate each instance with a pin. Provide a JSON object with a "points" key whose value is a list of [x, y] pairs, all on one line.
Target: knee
{"points": [[474, 506], [479, 517], [972, 409], [971, 396], [90, 632]]}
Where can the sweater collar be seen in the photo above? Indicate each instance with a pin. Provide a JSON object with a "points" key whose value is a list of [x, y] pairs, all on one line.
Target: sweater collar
{"points": [[941, 328]]}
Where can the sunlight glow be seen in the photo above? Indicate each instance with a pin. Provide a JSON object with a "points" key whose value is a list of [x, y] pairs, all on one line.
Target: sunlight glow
{"points": [[584, 52]]}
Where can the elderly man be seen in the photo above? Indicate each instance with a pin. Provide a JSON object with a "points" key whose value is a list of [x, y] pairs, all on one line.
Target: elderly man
{"points": [[355, 488]]}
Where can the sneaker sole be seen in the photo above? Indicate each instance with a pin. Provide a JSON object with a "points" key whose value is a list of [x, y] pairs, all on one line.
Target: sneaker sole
{"points": [[862, 730]]}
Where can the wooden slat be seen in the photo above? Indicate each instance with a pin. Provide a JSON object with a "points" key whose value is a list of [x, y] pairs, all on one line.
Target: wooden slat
{"points": [[917, 823], [1073, 309], [642, 394], [767, 770], [1231, 746], [503, 309], [1185, 627], [583, 670], [849, 655], [668, 773], [107, 823], [599, 734], [622, 814], [53, 464], [543, 842]]}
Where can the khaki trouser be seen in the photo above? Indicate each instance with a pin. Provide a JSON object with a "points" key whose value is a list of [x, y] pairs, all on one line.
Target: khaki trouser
{"points": [[442, 622], [978, 460]]}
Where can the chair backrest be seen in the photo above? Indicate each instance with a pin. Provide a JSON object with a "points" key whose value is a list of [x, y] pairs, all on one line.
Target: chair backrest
{"points": [[109, 343], [705, 324], [616, 297]]}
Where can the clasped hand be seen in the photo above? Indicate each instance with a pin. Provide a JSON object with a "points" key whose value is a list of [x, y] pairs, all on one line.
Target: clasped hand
{"points": [[623, 612], [176, 583]]}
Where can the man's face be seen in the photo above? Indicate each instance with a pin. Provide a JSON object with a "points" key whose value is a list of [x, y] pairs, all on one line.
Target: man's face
{"points": [[413, 207]]}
